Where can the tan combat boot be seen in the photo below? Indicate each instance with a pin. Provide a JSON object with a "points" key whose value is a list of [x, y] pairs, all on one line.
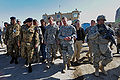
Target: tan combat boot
{"points": [[88, 54], [103, 70], [69, 64], [2, 45], [96, 72]]}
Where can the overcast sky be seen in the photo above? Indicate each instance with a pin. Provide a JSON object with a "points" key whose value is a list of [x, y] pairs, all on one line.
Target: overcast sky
{"points": [[36, 8]]}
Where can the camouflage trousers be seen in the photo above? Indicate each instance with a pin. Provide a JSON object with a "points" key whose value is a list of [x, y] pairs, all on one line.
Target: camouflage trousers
{"points": [[51, 52], [36, 56], [67, 51], [59, 49], [99, 56], [27, 51], [89, 53], [13, 49]]}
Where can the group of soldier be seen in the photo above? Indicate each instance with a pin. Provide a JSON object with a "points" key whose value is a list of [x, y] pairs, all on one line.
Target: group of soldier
{"points": [[30, 39]]}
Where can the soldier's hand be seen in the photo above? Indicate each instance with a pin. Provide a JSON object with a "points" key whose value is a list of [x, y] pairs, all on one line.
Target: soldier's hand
{"points": [[45, 42], [74, 38], [83, 41], [66, 38], [58, 42], [69, 38], [18, 43], [36, 46]]}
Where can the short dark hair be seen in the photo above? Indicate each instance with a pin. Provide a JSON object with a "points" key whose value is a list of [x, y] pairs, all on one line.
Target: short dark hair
{"points": [[93, 21], [50, 17], [63, 17], [34, 22], [24, 22], [42, 20], [18, 20]]}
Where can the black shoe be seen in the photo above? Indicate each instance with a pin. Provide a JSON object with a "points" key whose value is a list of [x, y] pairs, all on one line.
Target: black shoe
{"points": [[12, 60], [16, 62], [30, 68], [63, 71], [26, 62], [7, 54]]}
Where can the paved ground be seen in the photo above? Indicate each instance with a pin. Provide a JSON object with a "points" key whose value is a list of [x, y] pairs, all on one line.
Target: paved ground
{"points": [[84, 70], [19, 72]]}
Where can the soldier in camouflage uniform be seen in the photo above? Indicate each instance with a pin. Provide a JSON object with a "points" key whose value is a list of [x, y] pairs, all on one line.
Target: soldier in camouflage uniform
{"points": [[18, 22], [50, 38], [59, 23], [3, 35], [11, 36], [100, 45], [4, 32], [88, 32], [37, 50], [28, 38], [118, 39], [67, 33]]}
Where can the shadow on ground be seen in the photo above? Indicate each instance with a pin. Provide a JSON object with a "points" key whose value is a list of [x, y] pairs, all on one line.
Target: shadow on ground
{"points": [[19, 72], [113, 74]]}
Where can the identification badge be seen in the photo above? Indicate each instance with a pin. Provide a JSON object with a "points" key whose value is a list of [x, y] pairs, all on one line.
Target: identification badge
{"points": [[14, 30]]}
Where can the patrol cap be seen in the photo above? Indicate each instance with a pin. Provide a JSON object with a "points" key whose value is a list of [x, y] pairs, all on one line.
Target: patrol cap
{"points": [[101, 17], [29, 20], [12, 18]]}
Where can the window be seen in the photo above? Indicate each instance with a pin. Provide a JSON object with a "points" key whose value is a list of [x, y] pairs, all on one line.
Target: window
{"points": [[44, 17], [75, 15], [58, 16]]}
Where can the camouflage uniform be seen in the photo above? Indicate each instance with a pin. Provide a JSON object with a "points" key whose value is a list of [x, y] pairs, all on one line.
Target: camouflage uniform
{"points": [[37, 50], [100, 47], [28, 37], [50, 38], [3, 35], [67, 47], [12, 34], [89, 31], [118, 39]]}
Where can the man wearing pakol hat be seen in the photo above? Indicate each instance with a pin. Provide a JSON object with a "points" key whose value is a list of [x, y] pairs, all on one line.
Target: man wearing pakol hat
{"points": [[101, 37], [12, 34]]}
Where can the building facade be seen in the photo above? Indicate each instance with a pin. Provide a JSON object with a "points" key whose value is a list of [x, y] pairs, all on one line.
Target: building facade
{"points": [[74, 15]]}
